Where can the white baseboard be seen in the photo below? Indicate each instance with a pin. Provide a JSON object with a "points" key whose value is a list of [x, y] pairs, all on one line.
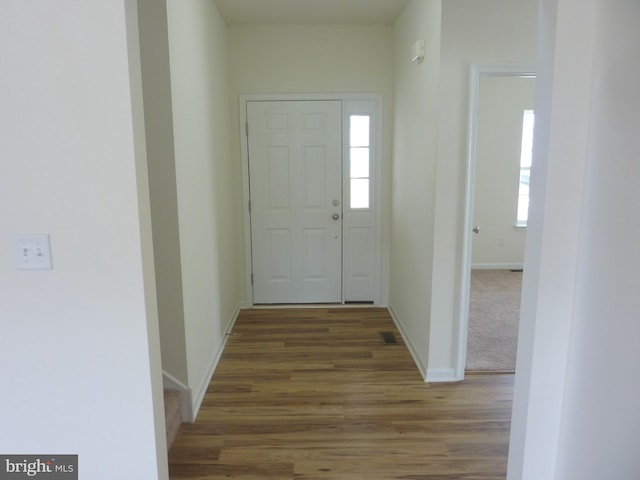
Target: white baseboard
{"points": [[196, 400], [431, 374], [497, 266], [172, 383], [408, 342], [441, 375]]}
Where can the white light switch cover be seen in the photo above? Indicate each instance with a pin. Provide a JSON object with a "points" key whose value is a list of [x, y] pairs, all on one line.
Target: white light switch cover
{"points": [[33, 252]]}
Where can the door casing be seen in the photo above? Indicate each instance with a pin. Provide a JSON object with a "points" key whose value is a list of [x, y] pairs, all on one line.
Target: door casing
{"points": [[350, 104], [476, 72]]}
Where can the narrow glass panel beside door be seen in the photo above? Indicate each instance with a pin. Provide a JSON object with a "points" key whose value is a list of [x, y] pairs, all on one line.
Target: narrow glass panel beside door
{"points": [[359, 161]]}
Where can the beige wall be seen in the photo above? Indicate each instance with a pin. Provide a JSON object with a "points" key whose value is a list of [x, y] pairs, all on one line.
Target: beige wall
{"points": [[79, 350], [312, 59], [414, 173], [206, 182], [501, 103]]}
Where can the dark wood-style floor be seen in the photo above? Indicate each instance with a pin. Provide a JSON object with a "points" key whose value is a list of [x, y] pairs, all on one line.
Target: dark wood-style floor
{"points": [[316, 394]]}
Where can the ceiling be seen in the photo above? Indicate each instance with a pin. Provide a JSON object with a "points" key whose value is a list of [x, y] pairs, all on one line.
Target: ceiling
{"points": [[310, 12]]}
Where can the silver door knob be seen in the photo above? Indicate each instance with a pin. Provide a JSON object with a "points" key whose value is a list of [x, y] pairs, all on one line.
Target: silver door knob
{"points": [[336, 216], [476, 229]]}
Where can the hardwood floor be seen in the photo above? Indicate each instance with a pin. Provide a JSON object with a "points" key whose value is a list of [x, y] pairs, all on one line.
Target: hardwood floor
{"points": [[316, 394]]}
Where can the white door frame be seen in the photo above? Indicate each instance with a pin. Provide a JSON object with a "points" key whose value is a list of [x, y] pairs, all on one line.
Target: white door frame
{"points": [[345, 98], [477, 71]]}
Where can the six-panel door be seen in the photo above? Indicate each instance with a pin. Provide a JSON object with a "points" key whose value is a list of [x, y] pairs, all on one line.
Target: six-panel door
{"points": [[295, 185]]}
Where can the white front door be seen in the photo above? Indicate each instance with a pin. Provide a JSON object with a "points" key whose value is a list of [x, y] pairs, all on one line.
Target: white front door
{"points": [[295, 181]]}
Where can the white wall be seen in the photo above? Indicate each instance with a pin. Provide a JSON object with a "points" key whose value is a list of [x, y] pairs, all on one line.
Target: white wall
{"points": [[575, 404], [501, 102], [154, 46], [605, 333], [207, 185], [414, 173], [79, 351], [430, 139], [473, 31], [563, 101], [314, 59]]}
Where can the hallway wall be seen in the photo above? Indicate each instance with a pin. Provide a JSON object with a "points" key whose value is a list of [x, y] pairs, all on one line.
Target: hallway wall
{"points": [[79, 349], [414, 173], [314, 59], [206, 181], [486, 31], [430, 138]]}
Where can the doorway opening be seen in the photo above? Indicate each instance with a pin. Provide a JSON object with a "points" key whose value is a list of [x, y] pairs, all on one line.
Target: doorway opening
{"points": [[493, 246]]}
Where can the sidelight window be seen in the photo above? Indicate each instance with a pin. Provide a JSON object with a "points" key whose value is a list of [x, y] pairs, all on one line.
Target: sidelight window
{"points": [[359, 161]]}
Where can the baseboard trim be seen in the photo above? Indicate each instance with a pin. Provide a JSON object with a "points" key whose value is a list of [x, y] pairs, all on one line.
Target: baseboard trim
{"points": [[172, 383], [435, 375], [497, 266], [408, 343], [202, 389]]}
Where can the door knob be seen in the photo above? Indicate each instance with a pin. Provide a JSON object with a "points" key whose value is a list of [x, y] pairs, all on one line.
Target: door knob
{"points": [[476, 229], [336, 216]]}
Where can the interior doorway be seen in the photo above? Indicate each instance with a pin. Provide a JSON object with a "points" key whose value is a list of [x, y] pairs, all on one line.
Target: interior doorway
{"points": [[493, 253]]}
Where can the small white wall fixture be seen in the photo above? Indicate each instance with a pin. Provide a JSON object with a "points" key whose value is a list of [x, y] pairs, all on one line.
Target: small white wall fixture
{"points": [[417, 51], [477, 71]]}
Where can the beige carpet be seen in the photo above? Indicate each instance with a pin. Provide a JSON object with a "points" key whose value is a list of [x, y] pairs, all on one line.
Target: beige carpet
{"points": [[494, 312], [172, 414]]}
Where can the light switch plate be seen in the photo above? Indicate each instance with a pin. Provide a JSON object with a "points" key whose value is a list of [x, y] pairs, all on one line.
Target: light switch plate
{"points": [[33, 252]]}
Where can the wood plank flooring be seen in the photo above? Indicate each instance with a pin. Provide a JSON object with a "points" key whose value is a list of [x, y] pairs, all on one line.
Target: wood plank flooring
{"points": [[315, 394]]}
